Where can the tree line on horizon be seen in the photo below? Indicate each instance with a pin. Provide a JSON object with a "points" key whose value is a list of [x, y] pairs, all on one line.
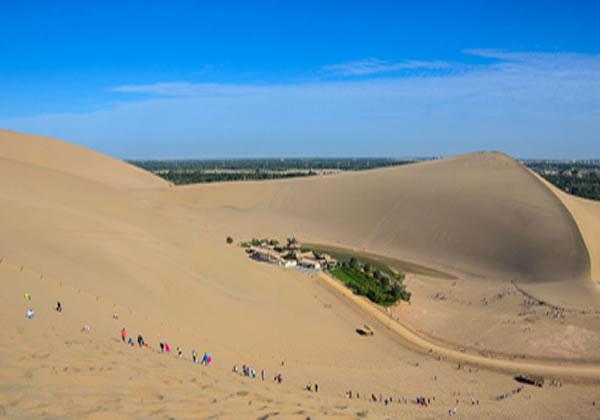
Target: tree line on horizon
{"points": [[579, 178], [180, 172]]}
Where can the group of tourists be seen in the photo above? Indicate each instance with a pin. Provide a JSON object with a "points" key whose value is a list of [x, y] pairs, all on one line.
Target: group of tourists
{"points": [[250, 372], [206, 359], [165, 347], [310, 387], [419, 400], [129, 340], [505, 395], [389, 400]]}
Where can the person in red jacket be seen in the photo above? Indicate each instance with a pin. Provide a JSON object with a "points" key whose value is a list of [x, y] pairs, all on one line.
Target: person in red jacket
{"points": [[123, 334]]}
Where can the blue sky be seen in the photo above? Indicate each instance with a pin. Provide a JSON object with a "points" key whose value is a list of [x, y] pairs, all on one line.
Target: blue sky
{"points": [[253, 79]]}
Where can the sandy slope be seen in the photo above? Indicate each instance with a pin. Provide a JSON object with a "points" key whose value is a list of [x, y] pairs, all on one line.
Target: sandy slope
{"points": [[587, 216], [56, 154], [103, 237], [50, 368]]}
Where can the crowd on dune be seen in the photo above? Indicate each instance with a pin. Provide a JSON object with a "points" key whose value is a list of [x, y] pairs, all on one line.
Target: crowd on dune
{"points": [[419, 400], [250, 372], [246, 370], [165, 347]]}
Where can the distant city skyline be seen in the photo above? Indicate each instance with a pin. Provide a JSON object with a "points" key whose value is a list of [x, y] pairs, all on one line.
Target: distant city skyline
{"points": [[152, 80]]}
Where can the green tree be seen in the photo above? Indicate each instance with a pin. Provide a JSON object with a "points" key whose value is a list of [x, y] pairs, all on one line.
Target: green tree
{"points": [[384, 281]]}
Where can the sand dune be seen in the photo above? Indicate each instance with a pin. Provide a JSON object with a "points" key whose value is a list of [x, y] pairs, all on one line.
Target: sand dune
{"points": [[104, 237], [56, 154], [480, 214], [586, 214]]}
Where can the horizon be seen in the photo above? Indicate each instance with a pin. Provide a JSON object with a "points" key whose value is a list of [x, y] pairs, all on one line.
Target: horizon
{"points": [[232, 79], [398, 158]]}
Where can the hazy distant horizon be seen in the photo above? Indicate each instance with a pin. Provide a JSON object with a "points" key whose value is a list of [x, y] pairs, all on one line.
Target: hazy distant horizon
{"points": [[399, 158]]}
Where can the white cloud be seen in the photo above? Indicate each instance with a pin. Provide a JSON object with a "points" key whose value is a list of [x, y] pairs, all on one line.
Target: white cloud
{"points": [[181, 89], [528, 104], [372, 66], [574, 62]]}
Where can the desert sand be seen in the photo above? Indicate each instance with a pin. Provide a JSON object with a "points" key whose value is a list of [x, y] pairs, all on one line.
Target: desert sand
{"points": [[104, 237]]}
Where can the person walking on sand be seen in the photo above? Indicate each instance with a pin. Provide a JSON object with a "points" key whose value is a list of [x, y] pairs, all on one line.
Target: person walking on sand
{"points": [[123, 334], [140, 340], [30, 314], [194, 356], [206, 360], [58, 307]]}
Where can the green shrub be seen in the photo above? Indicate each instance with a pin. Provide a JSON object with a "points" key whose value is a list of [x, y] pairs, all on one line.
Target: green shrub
{"points": [[379, 288]]}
